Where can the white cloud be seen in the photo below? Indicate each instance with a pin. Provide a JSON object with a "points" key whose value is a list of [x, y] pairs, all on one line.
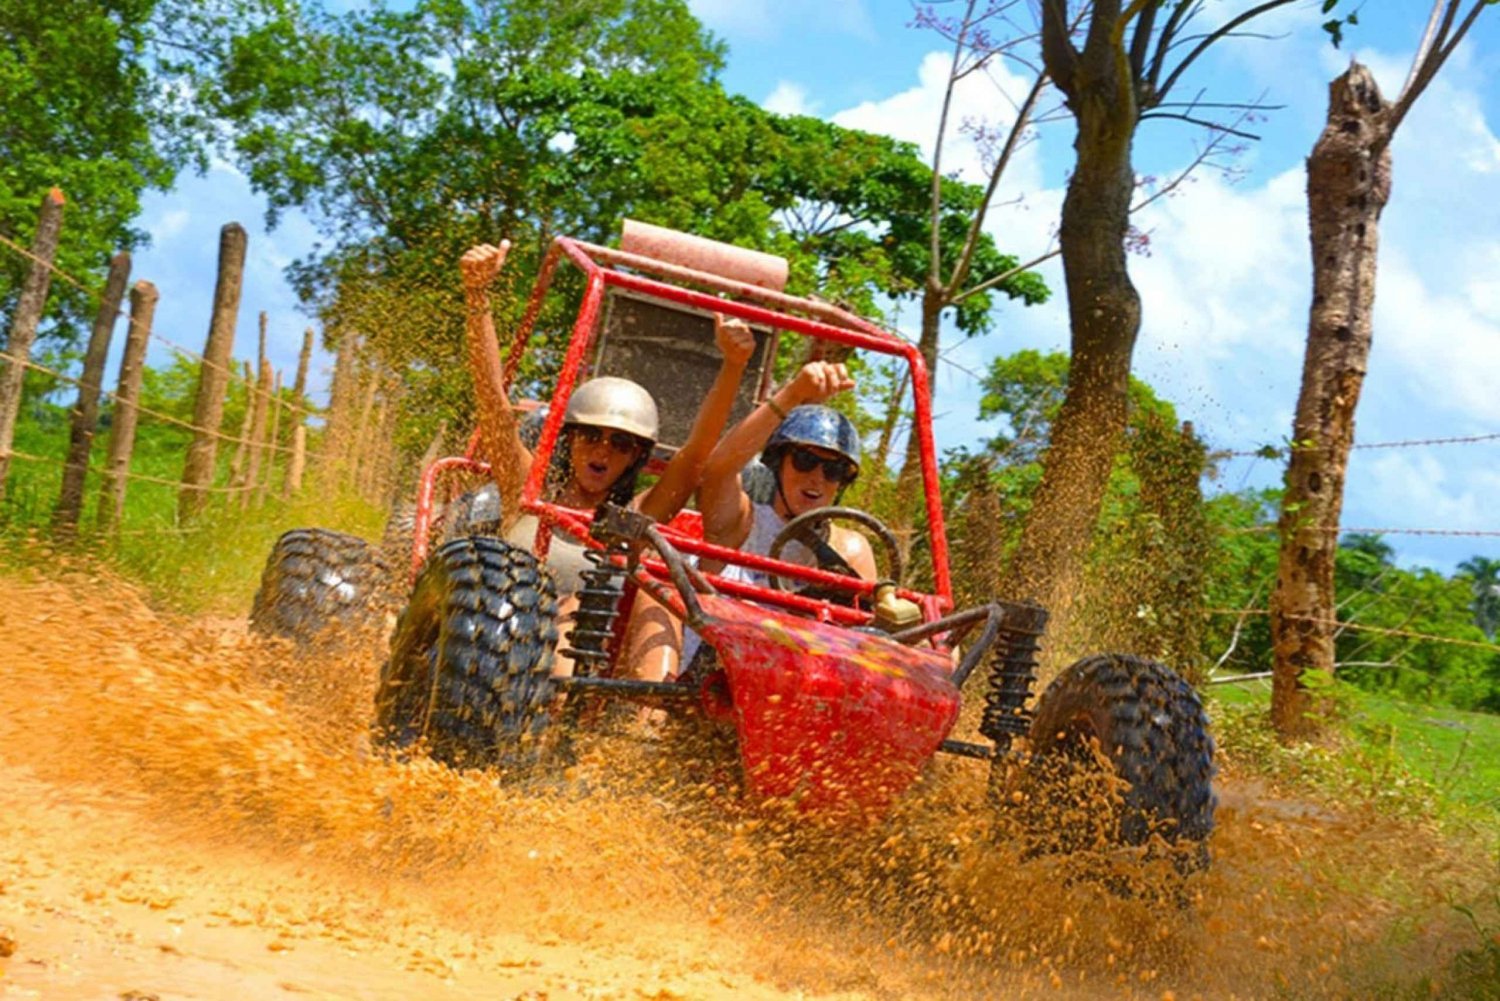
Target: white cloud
{"points": [[789, 99]]}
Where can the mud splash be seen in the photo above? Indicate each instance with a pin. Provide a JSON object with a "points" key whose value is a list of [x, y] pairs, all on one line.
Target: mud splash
{"points": [[189, 813]]}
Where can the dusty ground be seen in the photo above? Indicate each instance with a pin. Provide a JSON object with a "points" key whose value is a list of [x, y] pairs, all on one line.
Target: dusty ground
{"points": [[185, 814]]}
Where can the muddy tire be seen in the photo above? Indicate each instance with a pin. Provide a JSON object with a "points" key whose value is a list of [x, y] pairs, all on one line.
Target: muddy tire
{"points": [[316, 581], [1137, 719], [470, 672]]}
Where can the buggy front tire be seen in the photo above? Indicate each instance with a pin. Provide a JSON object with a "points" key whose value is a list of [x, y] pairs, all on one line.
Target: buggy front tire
{"points": [[470, 672], [1139, 720]]}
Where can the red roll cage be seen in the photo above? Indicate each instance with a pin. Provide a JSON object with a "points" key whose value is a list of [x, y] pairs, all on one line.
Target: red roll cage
{"points": [[601, 267]]}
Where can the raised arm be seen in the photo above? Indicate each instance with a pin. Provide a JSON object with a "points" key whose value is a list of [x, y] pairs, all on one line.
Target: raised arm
{"points": [[678, 481], [499, 437], [721, 498]]}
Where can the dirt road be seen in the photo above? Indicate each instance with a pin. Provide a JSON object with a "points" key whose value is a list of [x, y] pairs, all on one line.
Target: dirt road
{"points": [[185, 814]]}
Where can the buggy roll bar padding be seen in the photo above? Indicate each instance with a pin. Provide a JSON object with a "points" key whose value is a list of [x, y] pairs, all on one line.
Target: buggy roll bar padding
{"points": [[702, 254]]}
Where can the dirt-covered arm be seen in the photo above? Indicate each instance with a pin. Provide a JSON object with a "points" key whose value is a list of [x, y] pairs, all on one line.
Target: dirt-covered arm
{"points": [[721, 498], [499, 430], [681, 477]]}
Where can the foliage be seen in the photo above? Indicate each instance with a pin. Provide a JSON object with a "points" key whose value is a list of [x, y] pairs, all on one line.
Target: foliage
{"points": [[414, 134], [213, 566], [84, 113], [1387, 611]]}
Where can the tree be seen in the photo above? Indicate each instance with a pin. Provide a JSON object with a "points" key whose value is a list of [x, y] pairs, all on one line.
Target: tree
{"points": [[1146, 574], [1348, 185], [414, 134], [84, 112], [1129, 63], [1484, 577], [962, 264]]}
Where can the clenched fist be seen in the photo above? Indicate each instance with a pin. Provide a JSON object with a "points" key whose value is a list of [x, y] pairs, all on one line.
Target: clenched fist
{"points": [[735, 339], [480, 265]]}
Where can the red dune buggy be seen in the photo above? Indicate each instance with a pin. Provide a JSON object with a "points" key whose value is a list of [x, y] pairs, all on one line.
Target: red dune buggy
{"points": [[834, 702]]}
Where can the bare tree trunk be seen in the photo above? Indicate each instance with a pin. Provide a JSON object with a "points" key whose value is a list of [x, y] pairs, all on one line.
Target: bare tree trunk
{"points": [[1104, 313], [143, 298], [1348, 185], [85, 415], [213, 375], [910, 476], [29, 308]]}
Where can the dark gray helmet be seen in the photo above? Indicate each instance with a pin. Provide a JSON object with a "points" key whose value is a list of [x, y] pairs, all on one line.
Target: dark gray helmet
{"points": [[819, 426]]}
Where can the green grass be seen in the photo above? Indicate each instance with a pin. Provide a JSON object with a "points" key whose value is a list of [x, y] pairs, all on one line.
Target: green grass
{"points": [[210, 565], [1416, 757]]}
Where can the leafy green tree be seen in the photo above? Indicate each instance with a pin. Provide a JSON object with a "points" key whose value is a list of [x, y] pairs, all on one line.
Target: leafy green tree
{"points": [[413, 134], [85, 112], [1484, 576]]}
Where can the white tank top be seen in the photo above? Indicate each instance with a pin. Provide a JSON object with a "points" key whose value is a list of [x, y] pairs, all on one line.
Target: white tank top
{"points": [[564, 556]]}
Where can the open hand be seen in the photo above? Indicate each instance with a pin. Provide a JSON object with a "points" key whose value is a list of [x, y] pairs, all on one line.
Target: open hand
{"points": [[480, 265], [819, 380], [735, 339]]}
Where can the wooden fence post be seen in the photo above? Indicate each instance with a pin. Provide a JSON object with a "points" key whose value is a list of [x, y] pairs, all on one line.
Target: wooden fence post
{"points": [[242, 442], [299, 388], [362, 437], [29, 307], [273, 443], [292, 485], [262, 402], [213, 374], [85, 415], [337, 424], [143, 298]]}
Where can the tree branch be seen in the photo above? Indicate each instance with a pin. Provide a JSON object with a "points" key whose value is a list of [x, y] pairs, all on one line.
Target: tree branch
{"points": [[976, 223], [934, 266], [1212, 37], [1433, 53], [1005, 275], [1058, 53]]}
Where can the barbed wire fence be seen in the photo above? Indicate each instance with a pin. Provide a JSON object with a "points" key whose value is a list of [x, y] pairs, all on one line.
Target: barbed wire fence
{"points": [[271, 444], [271, 448]]}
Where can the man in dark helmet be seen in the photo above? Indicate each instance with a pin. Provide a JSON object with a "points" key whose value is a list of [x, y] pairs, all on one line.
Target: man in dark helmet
{"points": [[813, 453]]}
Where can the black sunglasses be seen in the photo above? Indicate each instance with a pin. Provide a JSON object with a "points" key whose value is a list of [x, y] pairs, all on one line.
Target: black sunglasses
{"points": [[836, 468], [622, 442]]}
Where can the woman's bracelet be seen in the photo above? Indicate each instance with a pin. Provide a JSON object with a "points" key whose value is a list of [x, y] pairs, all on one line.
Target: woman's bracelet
{"points": [[775, 408]]}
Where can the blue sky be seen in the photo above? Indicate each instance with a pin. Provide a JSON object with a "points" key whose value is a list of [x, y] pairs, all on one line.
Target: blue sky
{"points": [[1225, 289]]}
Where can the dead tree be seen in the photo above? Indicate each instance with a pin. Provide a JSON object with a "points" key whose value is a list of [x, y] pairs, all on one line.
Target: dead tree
{"points": [[1348, 185]]}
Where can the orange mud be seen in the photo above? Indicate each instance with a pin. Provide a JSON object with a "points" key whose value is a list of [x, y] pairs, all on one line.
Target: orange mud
{"points": [[187, 814]]}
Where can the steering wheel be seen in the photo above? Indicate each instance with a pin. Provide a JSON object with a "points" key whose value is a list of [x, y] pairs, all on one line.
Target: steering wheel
{"points": [[802, 529]]}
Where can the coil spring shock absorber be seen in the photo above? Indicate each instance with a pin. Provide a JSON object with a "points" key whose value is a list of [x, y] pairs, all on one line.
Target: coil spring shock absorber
{"points": [[598, 607], [1012, 675]]}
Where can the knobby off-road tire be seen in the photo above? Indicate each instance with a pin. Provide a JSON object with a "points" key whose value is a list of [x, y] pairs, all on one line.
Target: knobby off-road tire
{"points": [[470, 671], [316, 580], [1150, 726]]}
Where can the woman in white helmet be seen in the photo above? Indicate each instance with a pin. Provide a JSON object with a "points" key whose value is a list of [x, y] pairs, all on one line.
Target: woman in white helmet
{"points": [[608, 431]]}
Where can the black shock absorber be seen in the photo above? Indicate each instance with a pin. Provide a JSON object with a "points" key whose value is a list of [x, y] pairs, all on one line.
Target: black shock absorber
{"points": [[598, 607], [1012, 676]]}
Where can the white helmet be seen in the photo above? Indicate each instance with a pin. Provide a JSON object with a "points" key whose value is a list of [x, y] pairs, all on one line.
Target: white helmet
{"points": [[611, 402]]}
